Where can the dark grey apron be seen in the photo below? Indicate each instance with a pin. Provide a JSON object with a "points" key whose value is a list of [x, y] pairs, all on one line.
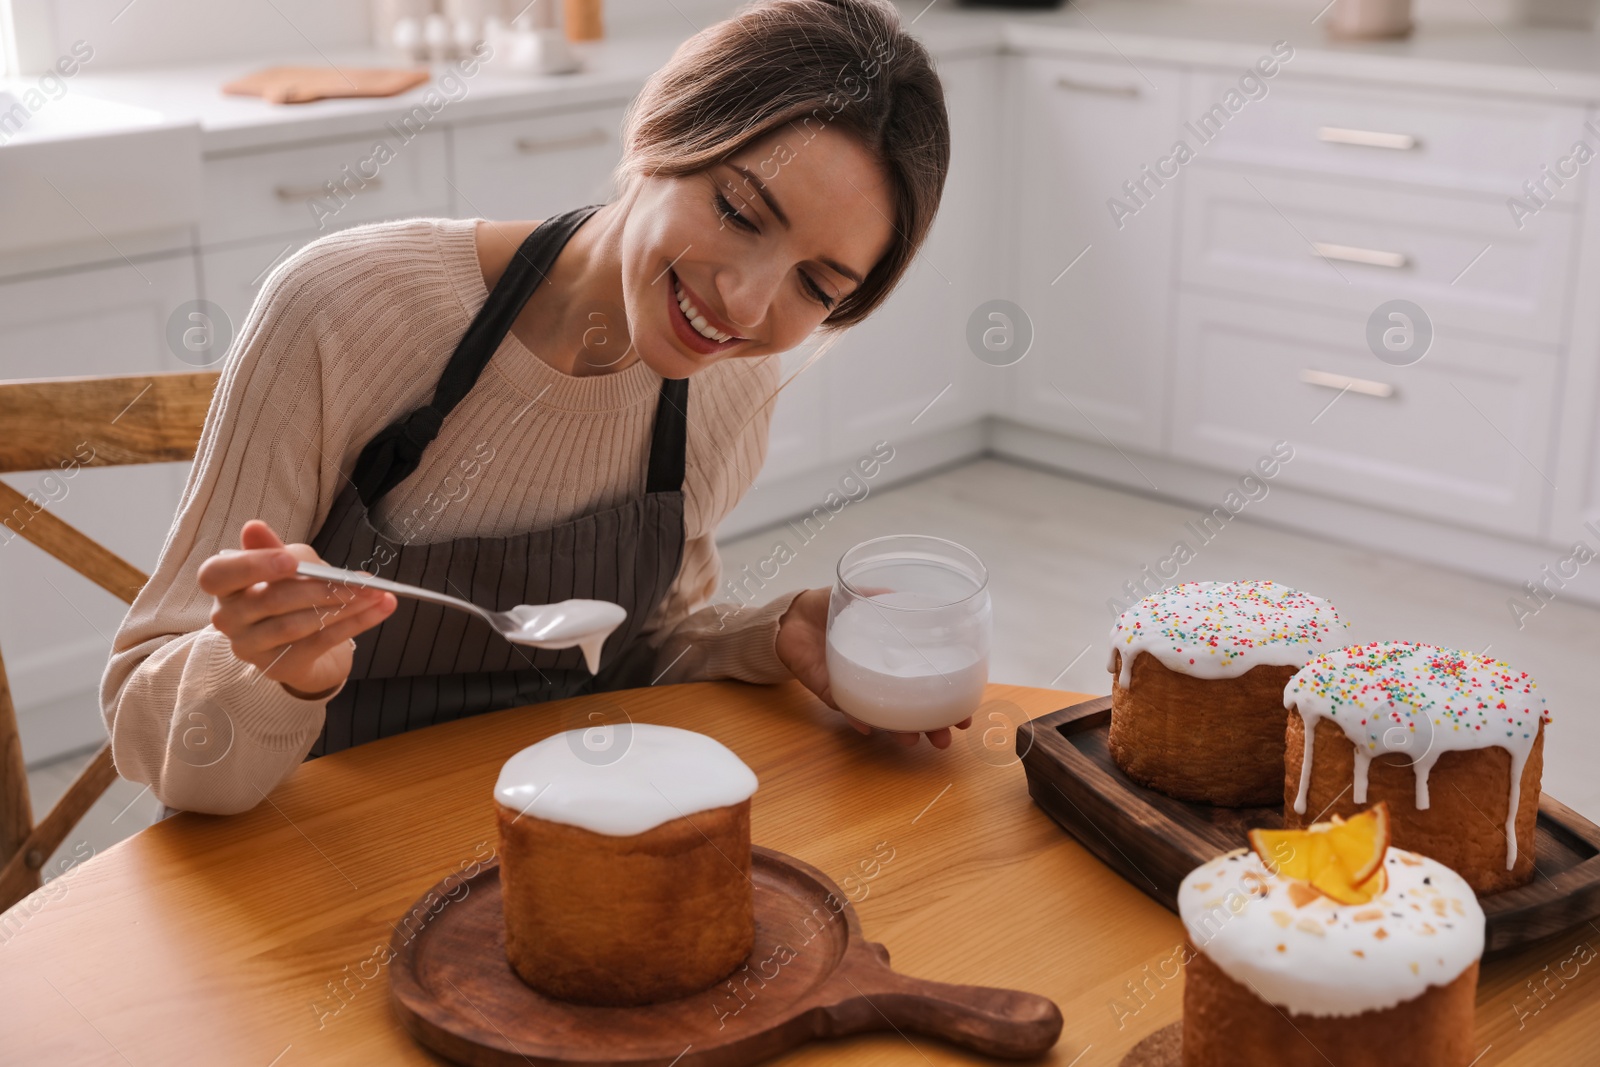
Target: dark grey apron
{"points": [[428, 664]]}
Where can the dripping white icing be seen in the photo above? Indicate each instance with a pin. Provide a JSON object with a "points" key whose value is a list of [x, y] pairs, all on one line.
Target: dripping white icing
{"points": [[591, 651], [585, 623], [1422, 768], [1238, 914], [1423, 701], [1223, 629], [623, 779]]}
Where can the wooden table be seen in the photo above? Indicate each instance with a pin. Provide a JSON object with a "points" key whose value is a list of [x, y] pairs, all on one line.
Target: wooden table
{"points": [[223, 940]]}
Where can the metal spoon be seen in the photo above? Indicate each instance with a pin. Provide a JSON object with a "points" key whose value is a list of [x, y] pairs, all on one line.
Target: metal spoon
{"points": [[586, 623]]}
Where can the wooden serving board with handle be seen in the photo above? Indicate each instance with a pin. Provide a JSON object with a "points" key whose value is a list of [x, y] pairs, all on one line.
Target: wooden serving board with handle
{"points": [[811, 975], [1154, 840]]}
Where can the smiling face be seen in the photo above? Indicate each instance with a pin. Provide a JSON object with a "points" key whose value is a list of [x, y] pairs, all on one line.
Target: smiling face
{"points": [[760, 248]]}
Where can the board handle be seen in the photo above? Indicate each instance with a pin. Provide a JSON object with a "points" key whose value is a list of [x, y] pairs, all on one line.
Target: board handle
{"points": [[996, 1022]]}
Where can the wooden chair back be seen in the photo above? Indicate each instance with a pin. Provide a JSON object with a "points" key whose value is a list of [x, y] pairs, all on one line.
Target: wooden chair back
{"points": [[46, 424]]}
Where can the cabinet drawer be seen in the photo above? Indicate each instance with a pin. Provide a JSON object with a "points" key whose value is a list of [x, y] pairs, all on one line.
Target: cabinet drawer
{"points": [[1467, 142], [532, 168], [323, 187], [1353, 246], [1463, 437]]}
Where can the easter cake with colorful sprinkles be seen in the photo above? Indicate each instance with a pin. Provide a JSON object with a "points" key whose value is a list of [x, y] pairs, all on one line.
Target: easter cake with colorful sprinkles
{"points": [[1452, 740], [1281, 973], [1198, 672]]}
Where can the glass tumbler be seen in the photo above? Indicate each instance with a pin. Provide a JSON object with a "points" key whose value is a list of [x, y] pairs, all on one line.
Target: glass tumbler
{"points": [[909, 625]]}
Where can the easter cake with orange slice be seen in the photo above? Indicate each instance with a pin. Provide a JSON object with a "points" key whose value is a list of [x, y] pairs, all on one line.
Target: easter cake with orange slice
{"points": [[1326, 945], [1453, 742], [1197, 677]]}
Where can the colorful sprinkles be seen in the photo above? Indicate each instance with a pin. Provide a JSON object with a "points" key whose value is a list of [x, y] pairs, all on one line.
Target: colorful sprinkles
{"points": [[1222, 629], [1389, 685]]}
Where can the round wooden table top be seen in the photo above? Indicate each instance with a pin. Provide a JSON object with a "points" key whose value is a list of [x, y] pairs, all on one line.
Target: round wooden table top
{"points": [[256, 939]]}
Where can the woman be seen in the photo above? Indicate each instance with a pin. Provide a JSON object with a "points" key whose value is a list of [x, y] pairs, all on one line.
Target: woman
{"points": [[503, 411]]}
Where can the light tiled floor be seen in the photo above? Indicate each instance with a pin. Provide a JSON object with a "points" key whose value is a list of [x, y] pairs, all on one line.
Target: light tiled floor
{"points": [[124, 809], [1058, 548]]}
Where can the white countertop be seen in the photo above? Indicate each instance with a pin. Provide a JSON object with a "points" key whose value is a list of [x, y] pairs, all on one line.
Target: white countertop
{"points": [[613, 70], [1475, 57]]}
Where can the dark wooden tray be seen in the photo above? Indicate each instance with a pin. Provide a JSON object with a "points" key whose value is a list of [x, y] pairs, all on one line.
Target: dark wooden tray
{"points": [[1153, 840], [454, 990]]}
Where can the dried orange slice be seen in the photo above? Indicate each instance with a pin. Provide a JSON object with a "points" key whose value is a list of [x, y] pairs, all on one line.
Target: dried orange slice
{"points": [[1361, 842], [1297, 854], [1332, 882], [1342, 858]]}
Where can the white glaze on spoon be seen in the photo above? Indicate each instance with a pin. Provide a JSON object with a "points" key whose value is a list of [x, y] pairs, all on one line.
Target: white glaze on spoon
{"points": [[1420, 700], [585, 623]]}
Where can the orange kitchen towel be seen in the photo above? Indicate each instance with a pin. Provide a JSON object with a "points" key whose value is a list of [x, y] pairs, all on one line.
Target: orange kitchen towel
{"points": [[299, 85]]}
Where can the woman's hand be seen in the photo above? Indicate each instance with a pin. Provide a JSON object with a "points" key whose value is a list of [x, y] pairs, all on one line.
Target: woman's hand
{"points": [[802, 646], [296, 630]]}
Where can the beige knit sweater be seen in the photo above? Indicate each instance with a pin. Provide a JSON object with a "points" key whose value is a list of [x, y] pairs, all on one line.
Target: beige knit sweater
{"points": [[347, 334]]}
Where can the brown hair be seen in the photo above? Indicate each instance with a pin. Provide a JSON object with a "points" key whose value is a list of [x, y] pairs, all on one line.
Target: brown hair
{"points": [[808, 63]]}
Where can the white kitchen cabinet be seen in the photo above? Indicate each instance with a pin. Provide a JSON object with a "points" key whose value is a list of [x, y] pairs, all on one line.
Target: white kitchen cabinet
{"points": [[907, 370], [1577, 469], [537, 166], [1097, 289], [1474, 142], [1352, 245], [799, 417], [109, 319], [1589, 510], [323, 186], [232, 276], [105, 320], [1463, 436], [877, 382], [1576, 513]]}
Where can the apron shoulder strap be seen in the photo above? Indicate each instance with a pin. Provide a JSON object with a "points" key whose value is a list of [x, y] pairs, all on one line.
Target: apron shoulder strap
{"points": [[396, 451], [669, 437]]}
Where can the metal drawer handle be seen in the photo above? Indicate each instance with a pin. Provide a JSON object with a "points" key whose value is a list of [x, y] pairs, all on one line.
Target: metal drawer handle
{"points": [[1064, 82], [312, 192], [1400, 142], [1372, 257], [1343, 383], [556, 144]]}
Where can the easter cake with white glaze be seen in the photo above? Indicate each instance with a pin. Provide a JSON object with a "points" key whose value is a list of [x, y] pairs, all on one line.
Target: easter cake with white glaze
{"points": [[1453, 741], [625, 863], [1280, 973], [1198, 672]]}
